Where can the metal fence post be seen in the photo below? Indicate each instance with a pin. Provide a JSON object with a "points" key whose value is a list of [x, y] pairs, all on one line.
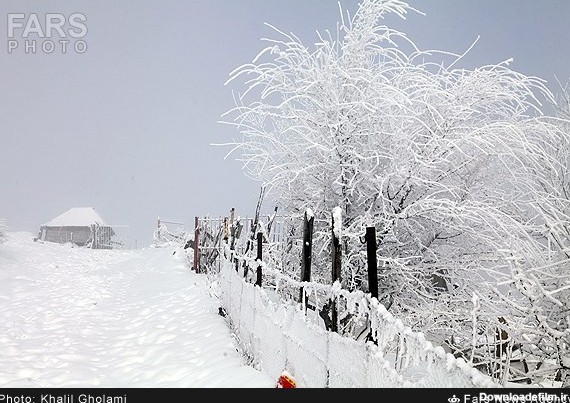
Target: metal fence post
{"points": [[308, 226], [259, 257], [371, 247], [336, 264]]}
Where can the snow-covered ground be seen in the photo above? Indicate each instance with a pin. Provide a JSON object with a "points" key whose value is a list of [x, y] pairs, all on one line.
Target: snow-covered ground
{"points": [[75, 317]]}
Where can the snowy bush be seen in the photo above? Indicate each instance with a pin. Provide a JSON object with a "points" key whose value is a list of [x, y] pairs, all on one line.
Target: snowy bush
{"points": [[459, 171], [164, 237]]}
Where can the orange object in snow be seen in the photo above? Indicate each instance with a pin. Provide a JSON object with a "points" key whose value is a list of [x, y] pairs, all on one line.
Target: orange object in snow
{"points": [[285, 381]]}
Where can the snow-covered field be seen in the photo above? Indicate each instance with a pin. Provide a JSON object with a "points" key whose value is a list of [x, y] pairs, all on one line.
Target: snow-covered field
{"points": [[74, 317]]}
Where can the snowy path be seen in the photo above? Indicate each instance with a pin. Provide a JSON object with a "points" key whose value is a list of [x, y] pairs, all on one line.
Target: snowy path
{"points": [[72, 317]]}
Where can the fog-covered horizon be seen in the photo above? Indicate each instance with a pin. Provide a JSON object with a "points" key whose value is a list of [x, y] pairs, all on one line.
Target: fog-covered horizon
{"points": [[127, 126]]}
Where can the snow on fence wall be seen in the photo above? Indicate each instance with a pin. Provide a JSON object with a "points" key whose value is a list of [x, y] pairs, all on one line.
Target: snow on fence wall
{"points": [[280, 333]]}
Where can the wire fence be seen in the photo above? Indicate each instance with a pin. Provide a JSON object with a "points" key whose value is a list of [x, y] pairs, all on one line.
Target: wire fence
{"points": [[284, 324]]}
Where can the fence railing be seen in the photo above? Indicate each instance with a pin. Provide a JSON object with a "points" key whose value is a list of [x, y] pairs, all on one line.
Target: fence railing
{"points": [[238, 232], [278, 336], [322, 334], [112, 237]]}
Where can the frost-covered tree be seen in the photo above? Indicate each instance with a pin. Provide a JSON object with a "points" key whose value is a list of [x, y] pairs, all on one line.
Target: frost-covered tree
{"points": [[554, 199], [453, 167]]}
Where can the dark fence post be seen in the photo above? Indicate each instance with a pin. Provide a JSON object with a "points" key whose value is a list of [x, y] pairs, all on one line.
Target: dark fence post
{"points": [[232, 230], [258, 258], [336, 262], [236, 234], [308, 225], [371, 247], [196, 244]]}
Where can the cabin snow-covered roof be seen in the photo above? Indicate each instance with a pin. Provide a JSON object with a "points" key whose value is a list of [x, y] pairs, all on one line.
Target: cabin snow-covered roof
{"points": [[77, 217]]}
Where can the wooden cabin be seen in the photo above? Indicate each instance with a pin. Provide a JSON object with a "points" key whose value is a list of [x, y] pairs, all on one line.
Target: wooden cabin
{"points": [[82, 226]]}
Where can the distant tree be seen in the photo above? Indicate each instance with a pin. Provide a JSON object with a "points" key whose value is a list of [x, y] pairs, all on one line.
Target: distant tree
{"points": [[452, 166], [3, 229]]}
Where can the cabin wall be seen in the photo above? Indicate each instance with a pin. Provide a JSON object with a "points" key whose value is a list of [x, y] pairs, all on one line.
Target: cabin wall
{"points": [[77, 235]]}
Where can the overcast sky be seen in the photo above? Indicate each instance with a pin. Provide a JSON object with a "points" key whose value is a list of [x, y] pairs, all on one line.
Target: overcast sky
{"points": [[126, 126]]}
